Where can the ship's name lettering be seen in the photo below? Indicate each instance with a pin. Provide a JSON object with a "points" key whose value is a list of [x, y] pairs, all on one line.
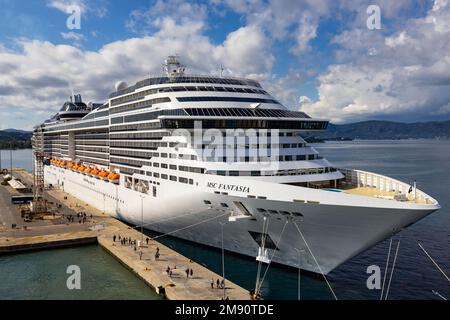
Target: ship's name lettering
{"points": [[228, 187]]}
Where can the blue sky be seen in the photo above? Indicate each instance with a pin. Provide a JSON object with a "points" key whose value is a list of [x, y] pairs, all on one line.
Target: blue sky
{"points": [[317, 56]]}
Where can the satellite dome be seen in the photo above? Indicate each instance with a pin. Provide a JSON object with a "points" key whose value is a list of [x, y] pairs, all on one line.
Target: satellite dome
{"points": [[120, 85]]}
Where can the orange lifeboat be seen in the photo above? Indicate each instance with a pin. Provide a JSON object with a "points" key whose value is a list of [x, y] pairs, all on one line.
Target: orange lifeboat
{"points": [[87, 170], [114, 177], [103, 175], [81, 168], [94, 172], [70, 165]]}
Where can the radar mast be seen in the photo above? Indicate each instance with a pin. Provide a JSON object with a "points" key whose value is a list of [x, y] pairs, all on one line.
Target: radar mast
{"points": [[172, 67]]}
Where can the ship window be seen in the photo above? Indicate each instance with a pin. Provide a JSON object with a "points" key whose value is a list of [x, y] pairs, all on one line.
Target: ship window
{"points": [[173, 167], [273, 211], [173, 178], [206, 202], [156, 164], [191, 181], [156, 174], [298, 214], [224, 205], [164, 176], [164, 165], [261, 210], [183, 180], [285, 213], [154, 191]]}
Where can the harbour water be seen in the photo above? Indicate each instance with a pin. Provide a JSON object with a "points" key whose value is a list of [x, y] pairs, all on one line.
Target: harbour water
{"points": [[414, 277], [43, 275]]}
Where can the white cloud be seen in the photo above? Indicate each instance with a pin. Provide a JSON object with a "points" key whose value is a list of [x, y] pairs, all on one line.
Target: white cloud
{"points": [[64, 5], [147, 20], [38, 77], [95, 7], [407, 75]]}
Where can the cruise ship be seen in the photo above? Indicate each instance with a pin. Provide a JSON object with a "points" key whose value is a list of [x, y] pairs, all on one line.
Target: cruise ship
{"points": [[219, 161]]}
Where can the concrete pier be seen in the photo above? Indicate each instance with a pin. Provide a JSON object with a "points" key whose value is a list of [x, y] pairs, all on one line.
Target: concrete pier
{"points": [[101, 228]]}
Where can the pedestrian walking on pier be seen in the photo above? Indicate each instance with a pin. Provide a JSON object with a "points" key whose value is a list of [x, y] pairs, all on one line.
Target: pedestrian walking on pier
{"points": [[146, 240], [187, 273], [218, 283], [168, 270], [212, 283], [191, 273], [114, 238], [222, 284], [140, 255]]}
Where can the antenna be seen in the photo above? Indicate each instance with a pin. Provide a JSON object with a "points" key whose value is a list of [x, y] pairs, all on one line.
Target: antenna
{"points": [[221, 70]]}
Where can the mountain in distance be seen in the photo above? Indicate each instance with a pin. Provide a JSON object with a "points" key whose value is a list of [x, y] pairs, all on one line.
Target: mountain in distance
{"points": [[17, 139], [12, 130], [374, 129]]}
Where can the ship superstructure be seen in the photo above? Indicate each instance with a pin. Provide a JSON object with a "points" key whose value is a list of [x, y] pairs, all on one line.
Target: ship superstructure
{"points": [[183, 154]]}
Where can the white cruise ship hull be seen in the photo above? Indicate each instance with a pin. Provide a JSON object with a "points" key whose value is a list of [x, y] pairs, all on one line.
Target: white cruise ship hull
{"points": [[335, 227]]}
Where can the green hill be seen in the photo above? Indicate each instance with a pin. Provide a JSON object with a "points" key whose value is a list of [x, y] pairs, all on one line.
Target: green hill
{"points": [[387, 130]]}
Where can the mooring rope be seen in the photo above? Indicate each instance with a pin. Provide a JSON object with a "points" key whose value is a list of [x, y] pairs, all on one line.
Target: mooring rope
{"points": [[392, 270], [309, 249], [386, 268], [168, 219], [271, 257], [189, 226], [437, 266]]}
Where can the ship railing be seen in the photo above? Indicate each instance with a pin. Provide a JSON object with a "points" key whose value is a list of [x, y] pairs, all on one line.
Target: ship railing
{"points": [[402, 191]]}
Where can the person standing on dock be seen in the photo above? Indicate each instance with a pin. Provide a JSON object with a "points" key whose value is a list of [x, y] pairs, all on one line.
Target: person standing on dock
{"points": [[218, 283], [212, 283], [191, 273], [146, 240], [114, 238], [187, 273]]}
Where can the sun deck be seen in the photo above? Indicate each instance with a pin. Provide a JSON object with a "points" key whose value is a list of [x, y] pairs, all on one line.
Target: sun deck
{"points": [[363, 183]]}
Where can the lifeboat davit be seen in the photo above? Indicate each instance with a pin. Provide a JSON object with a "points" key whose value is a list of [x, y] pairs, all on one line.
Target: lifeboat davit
{"points": [[114, 177]]}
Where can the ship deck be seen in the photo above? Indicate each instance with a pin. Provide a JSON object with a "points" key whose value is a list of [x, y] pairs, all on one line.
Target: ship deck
{"points": [[382, 194]]}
